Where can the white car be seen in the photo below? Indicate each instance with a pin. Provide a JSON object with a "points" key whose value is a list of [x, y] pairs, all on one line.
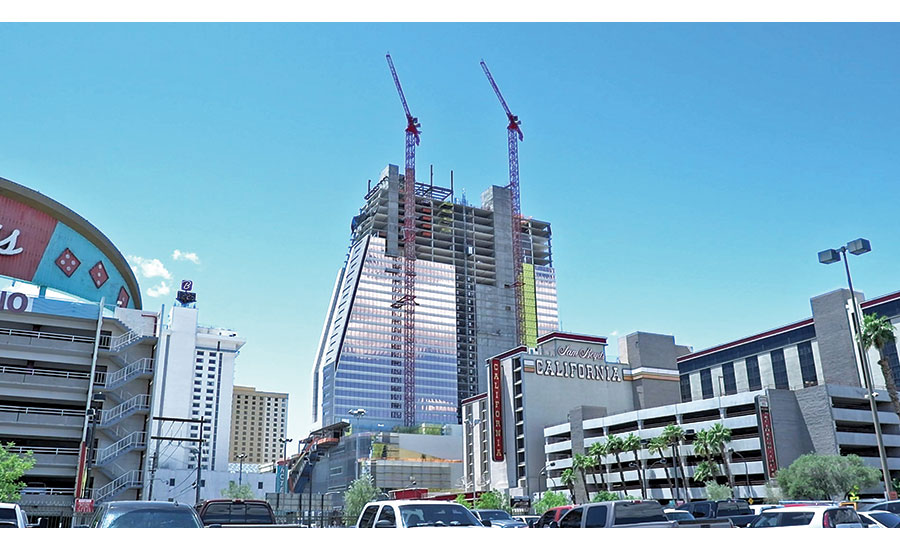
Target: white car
{"points": [[11, 515], [404, 514], [808, 516], [879, 519]]}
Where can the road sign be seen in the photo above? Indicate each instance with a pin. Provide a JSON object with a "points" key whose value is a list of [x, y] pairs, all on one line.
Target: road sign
{"points": [[84, 506], [750, 500]]}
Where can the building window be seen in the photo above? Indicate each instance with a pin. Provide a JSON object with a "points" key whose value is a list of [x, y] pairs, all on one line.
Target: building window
{"points": [[753, 377], [706, 383], [728, 379], [685, 388], [260, 485], [779, 370], [807, 364]]}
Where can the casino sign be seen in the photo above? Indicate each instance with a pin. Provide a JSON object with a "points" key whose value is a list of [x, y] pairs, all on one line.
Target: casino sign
{"points": [[46, 244]]}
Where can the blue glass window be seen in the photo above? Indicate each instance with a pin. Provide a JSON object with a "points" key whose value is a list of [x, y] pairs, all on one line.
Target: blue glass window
{"points": [[753, 377], [807, 364], [728, 379], [706, 383], [779, 370]]}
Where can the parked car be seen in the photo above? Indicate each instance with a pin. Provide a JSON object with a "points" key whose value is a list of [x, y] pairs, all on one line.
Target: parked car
{"points": [[551, 515], [145, 514], [863, 504], [738, 511], [497, 518], [616, 513], [404, 514], [12, 515], [527, 520], [808, 516], [757, 508], [227, 512], [889, 505], [879, 519]]}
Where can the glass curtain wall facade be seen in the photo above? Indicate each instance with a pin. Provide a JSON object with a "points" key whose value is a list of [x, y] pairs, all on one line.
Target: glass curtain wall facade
{"points": [[365, 356]]}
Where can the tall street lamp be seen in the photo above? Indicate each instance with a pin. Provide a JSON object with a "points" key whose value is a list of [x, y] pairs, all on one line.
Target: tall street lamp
{"points": [[284, 441], [732, 452], [830, 256], [356, 413], [241, 457]]}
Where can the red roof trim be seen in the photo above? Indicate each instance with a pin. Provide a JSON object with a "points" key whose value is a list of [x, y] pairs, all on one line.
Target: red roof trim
{"points": [[510, 353], [773, 332], [576, 337], [880, 300], [473, 398]]}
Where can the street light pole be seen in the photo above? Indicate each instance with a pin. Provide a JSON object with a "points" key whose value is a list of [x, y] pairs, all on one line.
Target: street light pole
{"points": [[857, 247], [241, 457], [746, 470], [284, 441]]}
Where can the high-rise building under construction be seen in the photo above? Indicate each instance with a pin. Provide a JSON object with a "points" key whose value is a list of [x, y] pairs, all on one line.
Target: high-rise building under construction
{"points": [[465, 305]]}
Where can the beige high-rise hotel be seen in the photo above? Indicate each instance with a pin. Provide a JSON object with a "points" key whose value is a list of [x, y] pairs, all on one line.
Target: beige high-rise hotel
{"points": [[258, 421]]}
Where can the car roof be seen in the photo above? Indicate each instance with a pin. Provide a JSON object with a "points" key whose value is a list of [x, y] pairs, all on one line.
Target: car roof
{"points": [[401, 501], [802, 508], [8, 505], [135, 504]]}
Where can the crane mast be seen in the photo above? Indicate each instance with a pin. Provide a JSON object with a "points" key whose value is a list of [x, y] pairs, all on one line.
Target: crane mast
{"points": [[407, 301], [514, 136]]}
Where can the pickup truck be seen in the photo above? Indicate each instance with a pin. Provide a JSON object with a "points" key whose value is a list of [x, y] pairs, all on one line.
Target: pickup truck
{"points": [[738, 511], [236, 512], [616, 513]]}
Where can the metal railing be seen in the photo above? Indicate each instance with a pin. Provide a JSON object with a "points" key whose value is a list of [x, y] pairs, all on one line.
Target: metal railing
{"points": [[127, 444], [99, 378], [130, 372], [40, 410], [124, 482], [46, 335], [46, 450], [122, 341], [117, 413], [48, 491]]}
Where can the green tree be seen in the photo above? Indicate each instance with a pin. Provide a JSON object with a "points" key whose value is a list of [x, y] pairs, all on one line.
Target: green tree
{"points": [[632, 443], [674, 436], [825, 477], [460, 499], [13, 466], [659, 445], [878, 331], [550, 499], [604, 496], [706, 470], [598, 451], [234, 490], [583, 463], [361, 491], [714, 491], [492, 500], [719, 437], [568, 479], [615, 445]]}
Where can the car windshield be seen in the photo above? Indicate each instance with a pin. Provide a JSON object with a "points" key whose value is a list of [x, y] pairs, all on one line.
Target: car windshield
{"points": [[436, 515], [151, 518], [493, 514], [679, 515], [628, 513], [782, 519], [887, 519]]}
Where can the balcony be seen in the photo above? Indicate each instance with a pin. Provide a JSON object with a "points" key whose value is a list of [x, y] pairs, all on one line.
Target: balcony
{"points": [[51, 461], [41, 422], [40, 384]]}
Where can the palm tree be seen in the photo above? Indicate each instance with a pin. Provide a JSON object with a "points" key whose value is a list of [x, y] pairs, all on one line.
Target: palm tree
{"points": [[568, 479], [598, 451], [582, 463], [704, 447], [633, 443], [878, 331], [615, 445], [674, 435], [719, 436], [659, 445]]}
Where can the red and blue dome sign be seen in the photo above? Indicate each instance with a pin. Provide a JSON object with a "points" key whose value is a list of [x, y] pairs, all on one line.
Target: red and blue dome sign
{"points": [[44, 243]]}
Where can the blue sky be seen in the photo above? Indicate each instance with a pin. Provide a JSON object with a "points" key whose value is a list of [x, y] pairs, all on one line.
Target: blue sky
{"points": [[690, 172]]}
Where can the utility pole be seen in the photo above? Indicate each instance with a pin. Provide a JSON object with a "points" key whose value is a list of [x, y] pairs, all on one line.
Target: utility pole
{"points": [[198, 440]]}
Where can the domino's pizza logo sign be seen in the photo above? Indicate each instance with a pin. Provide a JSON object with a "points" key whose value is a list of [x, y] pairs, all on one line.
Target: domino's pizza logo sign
{"points": [[187, 286]]}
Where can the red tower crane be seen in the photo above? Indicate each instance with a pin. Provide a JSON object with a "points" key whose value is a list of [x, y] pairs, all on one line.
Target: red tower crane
{"points": [[514, 136], [408, 301]]}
